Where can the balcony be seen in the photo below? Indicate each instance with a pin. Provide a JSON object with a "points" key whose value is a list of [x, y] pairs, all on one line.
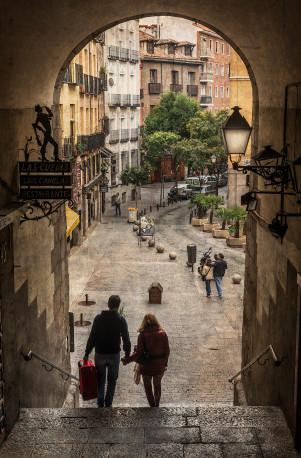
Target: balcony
{"points": [[206, 100], [74, 74], [134, 55], [206, 53], [68, 147], [124, 54], [125, 135], [125, 100], [192, 89], [176, 88], [84, 89], [206, 76], [154, 88], [134, 157], [134, 134], [106, 126], [114, 100], [135, 100], [114, 136], [124, 159], [113, 52], [92, 142], [103, 81]]}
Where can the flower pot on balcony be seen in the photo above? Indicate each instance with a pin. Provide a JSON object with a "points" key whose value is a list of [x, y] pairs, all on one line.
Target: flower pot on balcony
{"points": [[220, 233], [199, 221], [209, 227], [236, 242]]}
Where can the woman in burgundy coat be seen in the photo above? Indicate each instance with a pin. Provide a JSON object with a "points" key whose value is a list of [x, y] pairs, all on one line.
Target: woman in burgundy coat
{"points": [[157, 345]]}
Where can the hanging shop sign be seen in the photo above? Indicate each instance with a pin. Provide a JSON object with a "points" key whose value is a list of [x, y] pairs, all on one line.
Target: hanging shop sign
{"points": [[104, 188]]}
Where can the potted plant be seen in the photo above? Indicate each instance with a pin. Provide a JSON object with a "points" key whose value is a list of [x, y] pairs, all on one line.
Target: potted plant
{"points": [[213, 202], [201, 203], [224, 214], [237, 214]]}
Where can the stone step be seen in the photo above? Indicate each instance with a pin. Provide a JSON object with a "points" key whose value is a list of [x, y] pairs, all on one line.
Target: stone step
{"points": [[204, 431]]}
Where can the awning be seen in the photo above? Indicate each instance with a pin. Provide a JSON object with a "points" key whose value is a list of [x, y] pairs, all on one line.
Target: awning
{"points": [[106, 153], [72, 220]]}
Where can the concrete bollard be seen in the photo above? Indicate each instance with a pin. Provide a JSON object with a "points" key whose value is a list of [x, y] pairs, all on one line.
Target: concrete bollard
{"points": [[158, 206], [163, 203]]}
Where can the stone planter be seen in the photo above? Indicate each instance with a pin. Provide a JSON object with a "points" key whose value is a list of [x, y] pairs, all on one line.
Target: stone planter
{"points": [[236, 243], [199, 222], [220, 233], [207, 227]]}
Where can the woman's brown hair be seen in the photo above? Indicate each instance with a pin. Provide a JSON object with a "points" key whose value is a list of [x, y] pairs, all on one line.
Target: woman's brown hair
{"points": [[149, 320]]}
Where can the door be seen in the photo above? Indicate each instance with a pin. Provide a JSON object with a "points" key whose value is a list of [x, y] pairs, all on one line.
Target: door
{"points": [[2, 416], [297, 393]]}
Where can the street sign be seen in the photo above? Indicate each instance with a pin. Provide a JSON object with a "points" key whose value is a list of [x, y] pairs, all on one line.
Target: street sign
{"points": [[50, 193], [104, 188], [45, 167], [45, 180]]}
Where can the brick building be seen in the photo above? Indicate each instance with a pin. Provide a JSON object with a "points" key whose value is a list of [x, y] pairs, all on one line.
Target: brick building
{"points": [[214, 52]]}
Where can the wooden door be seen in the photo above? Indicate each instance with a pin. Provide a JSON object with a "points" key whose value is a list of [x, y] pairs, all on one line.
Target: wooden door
{"points": [[297, 393], [2, 410]]}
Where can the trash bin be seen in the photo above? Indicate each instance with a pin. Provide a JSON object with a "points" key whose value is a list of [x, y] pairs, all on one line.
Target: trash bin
{"points": [[132, 214], [191, 251]]}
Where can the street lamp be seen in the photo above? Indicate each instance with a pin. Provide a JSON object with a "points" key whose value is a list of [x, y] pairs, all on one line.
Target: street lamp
{"points": [[236, 134], [213, 160]]}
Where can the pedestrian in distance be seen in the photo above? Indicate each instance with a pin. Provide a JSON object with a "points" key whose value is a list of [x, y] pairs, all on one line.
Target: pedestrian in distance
{"points": [[207, 274], [108, 327], [117, 204], [153, 340], [219, 269]]}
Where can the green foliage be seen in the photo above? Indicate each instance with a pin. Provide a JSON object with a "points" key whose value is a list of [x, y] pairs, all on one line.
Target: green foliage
{"points": [[135, 175], [213, 202], [237, 214], [160, 144], [81, 148], [201, 202], [121, 311], [223, 213]]}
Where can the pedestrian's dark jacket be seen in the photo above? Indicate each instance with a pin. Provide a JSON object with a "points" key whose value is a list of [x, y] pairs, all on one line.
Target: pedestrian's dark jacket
{"points": [[219, 267], [105, 334]]}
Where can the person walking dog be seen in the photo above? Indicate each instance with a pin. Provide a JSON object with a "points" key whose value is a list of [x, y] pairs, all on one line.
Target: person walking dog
{"points": [[219, 269], [154, 341], [105, 335]]}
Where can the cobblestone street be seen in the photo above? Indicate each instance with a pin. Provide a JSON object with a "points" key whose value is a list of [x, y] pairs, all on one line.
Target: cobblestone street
{"points": [[204, 334]]}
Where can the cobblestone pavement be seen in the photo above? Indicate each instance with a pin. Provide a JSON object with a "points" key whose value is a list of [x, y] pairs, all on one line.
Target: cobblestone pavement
{"points": [[204, 334], [211, 432]]}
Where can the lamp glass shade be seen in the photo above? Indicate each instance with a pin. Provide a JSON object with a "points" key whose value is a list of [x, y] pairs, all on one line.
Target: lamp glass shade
{"points": [[236, 133], [297, 175], [213, 159], [251, 205]]}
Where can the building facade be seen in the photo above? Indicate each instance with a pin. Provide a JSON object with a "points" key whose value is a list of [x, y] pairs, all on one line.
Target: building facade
{"points": [[122, 104]]}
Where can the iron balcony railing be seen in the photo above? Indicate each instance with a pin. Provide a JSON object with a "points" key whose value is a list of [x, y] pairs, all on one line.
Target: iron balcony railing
{"points": [[106, 125], [126, 100], [206, 100], [68, 147], [134, 55], [125, 135], [124, 54], [277, 362], [92, 142], [114, 100], [85, 87], [192, 89], [134, 134], [135, 100], [206, 76], [176, 88], [64, 374], [103, 81], [114, 136], [154, 88], [74, 74], [206, 52], [113, 52]]}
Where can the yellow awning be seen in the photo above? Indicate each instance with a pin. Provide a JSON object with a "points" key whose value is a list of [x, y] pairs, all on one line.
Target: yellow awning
{"points": [[72, 220]]}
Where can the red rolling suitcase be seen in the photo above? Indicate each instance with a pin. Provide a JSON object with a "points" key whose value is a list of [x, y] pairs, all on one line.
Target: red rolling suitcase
{"points": [[87, 380]]}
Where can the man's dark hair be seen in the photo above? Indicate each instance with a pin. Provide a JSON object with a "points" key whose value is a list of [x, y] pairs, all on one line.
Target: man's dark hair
{"points": [[221, 255], [114, 302]]}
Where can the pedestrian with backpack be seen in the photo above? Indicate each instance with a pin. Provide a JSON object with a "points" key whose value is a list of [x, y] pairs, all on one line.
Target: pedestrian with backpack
{"points": [[207, 276]]}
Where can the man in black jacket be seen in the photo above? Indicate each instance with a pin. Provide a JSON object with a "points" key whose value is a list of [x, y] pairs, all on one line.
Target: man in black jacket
{"points": [[219, 268], [105, 334]]}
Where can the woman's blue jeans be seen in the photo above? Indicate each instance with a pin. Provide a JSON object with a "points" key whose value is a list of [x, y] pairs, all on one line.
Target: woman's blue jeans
{"points": [[107, 367], [208, 287]]}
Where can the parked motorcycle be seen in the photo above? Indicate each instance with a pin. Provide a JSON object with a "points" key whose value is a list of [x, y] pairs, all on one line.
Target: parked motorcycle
{"points": [[205, 256], [171, 198]]}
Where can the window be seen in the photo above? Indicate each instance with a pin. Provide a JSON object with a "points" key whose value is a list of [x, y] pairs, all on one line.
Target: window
{"points": [[216, 69], [216, 46], [72, 111], [210, 45], [228, 50], [150, 47], [227, 92], [211, 67], [175, 77], [222, 91], [171, 48], [222, 69], [153, 76], [188, 50], [228, 70], [223, 48], [216, 91], [210, 91], [191, 78], [203, 89]]}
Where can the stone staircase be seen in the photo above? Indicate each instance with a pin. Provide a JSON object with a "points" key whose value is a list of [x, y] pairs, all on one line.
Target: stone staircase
{"points": [[205, 431]]}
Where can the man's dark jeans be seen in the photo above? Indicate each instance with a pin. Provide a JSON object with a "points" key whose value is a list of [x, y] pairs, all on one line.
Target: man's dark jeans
{"points": [[107, 367], [117, 209]]}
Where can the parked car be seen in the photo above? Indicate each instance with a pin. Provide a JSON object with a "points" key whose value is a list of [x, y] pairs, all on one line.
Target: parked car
{"points": [[205, 189], [223, 180], [184, 191]]}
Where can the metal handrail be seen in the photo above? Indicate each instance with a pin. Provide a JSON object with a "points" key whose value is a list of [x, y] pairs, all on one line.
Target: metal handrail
{"points": [[31, 354], [255, 360]]}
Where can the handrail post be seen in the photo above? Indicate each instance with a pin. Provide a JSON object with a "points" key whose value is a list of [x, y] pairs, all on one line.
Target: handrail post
{"points": [[31, 354]]}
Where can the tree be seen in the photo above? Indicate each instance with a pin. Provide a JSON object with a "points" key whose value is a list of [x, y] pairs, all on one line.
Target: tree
{"points": [[223, 213], [213, 202], [237, 214], [135, 175], [201, 202]]}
